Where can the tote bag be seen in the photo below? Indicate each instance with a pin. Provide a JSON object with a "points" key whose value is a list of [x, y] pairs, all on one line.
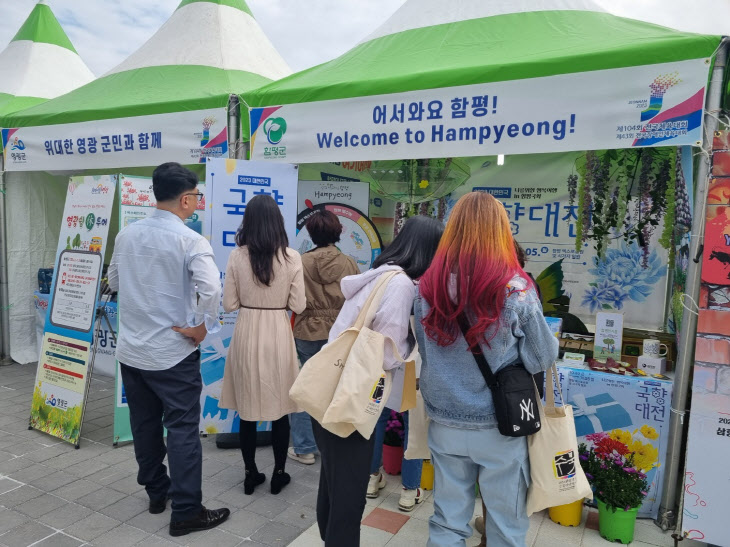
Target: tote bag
{"points": [[315, 386], [364, 386], [418, 422], [557, 477]]}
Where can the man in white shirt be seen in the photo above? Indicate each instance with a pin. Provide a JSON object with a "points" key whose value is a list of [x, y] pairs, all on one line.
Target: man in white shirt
{"points": [[169, 294]]}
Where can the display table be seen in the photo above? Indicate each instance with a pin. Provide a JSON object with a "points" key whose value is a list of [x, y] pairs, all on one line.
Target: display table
{"points": [[106, 361], [634, 409]]}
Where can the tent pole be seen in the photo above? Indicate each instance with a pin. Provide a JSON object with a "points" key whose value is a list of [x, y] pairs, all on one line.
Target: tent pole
{"points": [[4, 295], [677, 424], [234, 126]]}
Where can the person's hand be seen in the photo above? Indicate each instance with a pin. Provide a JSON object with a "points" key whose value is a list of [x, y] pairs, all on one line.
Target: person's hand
{"points": [[196, 334]]}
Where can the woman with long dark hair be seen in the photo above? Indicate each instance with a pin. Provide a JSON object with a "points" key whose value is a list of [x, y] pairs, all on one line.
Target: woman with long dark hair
{"points": [[346, 461], [263, 280], [476, 276]]}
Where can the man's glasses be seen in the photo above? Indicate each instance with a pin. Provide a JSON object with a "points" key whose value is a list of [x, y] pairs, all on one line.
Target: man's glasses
{"points": [[199, 195]]}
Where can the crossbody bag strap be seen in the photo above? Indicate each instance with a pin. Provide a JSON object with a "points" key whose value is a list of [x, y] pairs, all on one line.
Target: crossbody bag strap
{"points": [[478, 355]]}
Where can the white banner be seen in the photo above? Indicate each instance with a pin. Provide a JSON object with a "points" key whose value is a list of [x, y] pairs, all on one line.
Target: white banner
{"points": [[651, 105], [184, 137], [230, 185], [62, 375]]}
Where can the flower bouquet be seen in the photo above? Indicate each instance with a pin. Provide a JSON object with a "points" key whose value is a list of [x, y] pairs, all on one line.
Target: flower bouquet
{"points": [[616, 466], [393, 444]]}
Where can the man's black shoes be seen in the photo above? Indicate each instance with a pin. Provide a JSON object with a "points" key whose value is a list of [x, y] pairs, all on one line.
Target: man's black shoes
{"points": [[205, 520], [158, 506]]}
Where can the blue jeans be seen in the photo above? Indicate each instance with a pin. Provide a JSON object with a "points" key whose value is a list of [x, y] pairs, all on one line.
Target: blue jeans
{"points": [[301, 423], [461, 457], [411, 469]]}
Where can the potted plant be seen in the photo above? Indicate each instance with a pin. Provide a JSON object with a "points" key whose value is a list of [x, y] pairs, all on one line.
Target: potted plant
{"points": [[393, 444], [619, 484]]}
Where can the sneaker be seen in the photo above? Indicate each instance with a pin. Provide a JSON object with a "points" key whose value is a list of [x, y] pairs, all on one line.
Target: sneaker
{"points": [[376, 484], [409, 499], [306, 459]]}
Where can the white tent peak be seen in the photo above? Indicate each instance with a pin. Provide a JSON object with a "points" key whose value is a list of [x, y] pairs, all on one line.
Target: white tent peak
{"points": [[415, 14], [221, 34], [40, 62], [699, 16]]}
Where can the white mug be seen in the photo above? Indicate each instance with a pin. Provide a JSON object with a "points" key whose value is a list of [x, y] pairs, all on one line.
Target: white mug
{"points": [[652, 348]]}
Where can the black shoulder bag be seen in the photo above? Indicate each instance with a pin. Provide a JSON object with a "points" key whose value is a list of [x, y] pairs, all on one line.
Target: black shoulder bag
{"points": [[513, 393]]}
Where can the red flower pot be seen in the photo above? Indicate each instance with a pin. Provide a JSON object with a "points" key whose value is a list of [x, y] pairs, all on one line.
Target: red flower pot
{"points": [[392, 459]]}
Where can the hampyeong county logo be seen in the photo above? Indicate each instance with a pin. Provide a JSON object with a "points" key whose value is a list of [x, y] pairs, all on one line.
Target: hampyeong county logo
{"points": [[274, 129]]}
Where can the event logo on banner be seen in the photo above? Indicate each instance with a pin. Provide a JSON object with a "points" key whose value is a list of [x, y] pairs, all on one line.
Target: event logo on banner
{"points": [[184, 137], [138, 202], [231, 184], [651, 105], [63, 367]]}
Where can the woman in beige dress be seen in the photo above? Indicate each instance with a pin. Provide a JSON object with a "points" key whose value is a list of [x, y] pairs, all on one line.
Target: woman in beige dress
{"points": [[263, 280]]}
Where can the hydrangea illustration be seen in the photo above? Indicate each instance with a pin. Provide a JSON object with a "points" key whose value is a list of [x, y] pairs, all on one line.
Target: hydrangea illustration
{"points": [[621, 275]]}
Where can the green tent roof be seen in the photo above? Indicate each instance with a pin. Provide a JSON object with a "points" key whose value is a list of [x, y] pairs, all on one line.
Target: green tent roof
{"points": [[502, 47]]}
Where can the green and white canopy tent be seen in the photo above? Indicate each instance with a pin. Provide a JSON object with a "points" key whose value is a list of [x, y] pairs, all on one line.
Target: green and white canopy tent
{"points": [[171, 100], [39, 63], [471, 78], [567, 61]]}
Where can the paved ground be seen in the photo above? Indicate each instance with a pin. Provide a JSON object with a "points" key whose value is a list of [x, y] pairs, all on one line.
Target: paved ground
{"points": [[52, 495]]}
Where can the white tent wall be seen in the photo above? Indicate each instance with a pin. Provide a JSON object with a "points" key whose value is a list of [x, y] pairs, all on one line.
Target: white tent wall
{"points": [[34, 209]]}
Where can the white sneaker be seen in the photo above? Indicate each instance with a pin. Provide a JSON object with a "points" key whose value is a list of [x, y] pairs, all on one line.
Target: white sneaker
{"points": [[306, 459], [376, 484], [409, 499]]}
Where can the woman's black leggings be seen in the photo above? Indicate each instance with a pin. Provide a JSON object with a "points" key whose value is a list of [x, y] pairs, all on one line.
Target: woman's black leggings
{"points": [[279, 442]]}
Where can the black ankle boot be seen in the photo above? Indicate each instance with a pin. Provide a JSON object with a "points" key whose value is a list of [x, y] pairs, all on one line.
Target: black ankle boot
{"points": [[279, 480], [252, 480]]}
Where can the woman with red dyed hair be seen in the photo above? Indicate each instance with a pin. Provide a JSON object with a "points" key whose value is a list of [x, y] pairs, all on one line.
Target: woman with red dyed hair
{"points": [[476, 273]]}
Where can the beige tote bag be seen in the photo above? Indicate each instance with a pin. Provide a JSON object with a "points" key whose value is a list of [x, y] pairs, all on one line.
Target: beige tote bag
{"points": [[317, 382], [557, 477], [364, 386], [418, 422]]}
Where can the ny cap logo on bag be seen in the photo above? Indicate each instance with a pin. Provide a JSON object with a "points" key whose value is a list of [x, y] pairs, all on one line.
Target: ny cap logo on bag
{"points": [[527, 410]]}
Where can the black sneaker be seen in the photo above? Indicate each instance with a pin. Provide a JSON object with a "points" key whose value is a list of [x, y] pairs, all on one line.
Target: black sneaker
{"points": [[206, 519], [158, 506]]}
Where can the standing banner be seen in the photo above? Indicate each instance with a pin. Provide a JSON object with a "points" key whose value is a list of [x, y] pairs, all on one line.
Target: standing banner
{"points": [[231, 184], [707, 473], [650, 105], [105, 362], [62, 378], [184, 137], [138, 202]]}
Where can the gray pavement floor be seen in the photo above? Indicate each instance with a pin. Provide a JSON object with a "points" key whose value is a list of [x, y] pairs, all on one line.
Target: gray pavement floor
{"points": [[52, 495]]}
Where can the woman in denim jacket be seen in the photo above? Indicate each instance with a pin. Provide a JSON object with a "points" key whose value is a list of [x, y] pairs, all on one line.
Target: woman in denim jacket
{"points": [[476, 272]]}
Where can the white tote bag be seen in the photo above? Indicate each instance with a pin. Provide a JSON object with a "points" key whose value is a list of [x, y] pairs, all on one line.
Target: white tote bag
{"points": [[317, 382], [556, 475]]}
